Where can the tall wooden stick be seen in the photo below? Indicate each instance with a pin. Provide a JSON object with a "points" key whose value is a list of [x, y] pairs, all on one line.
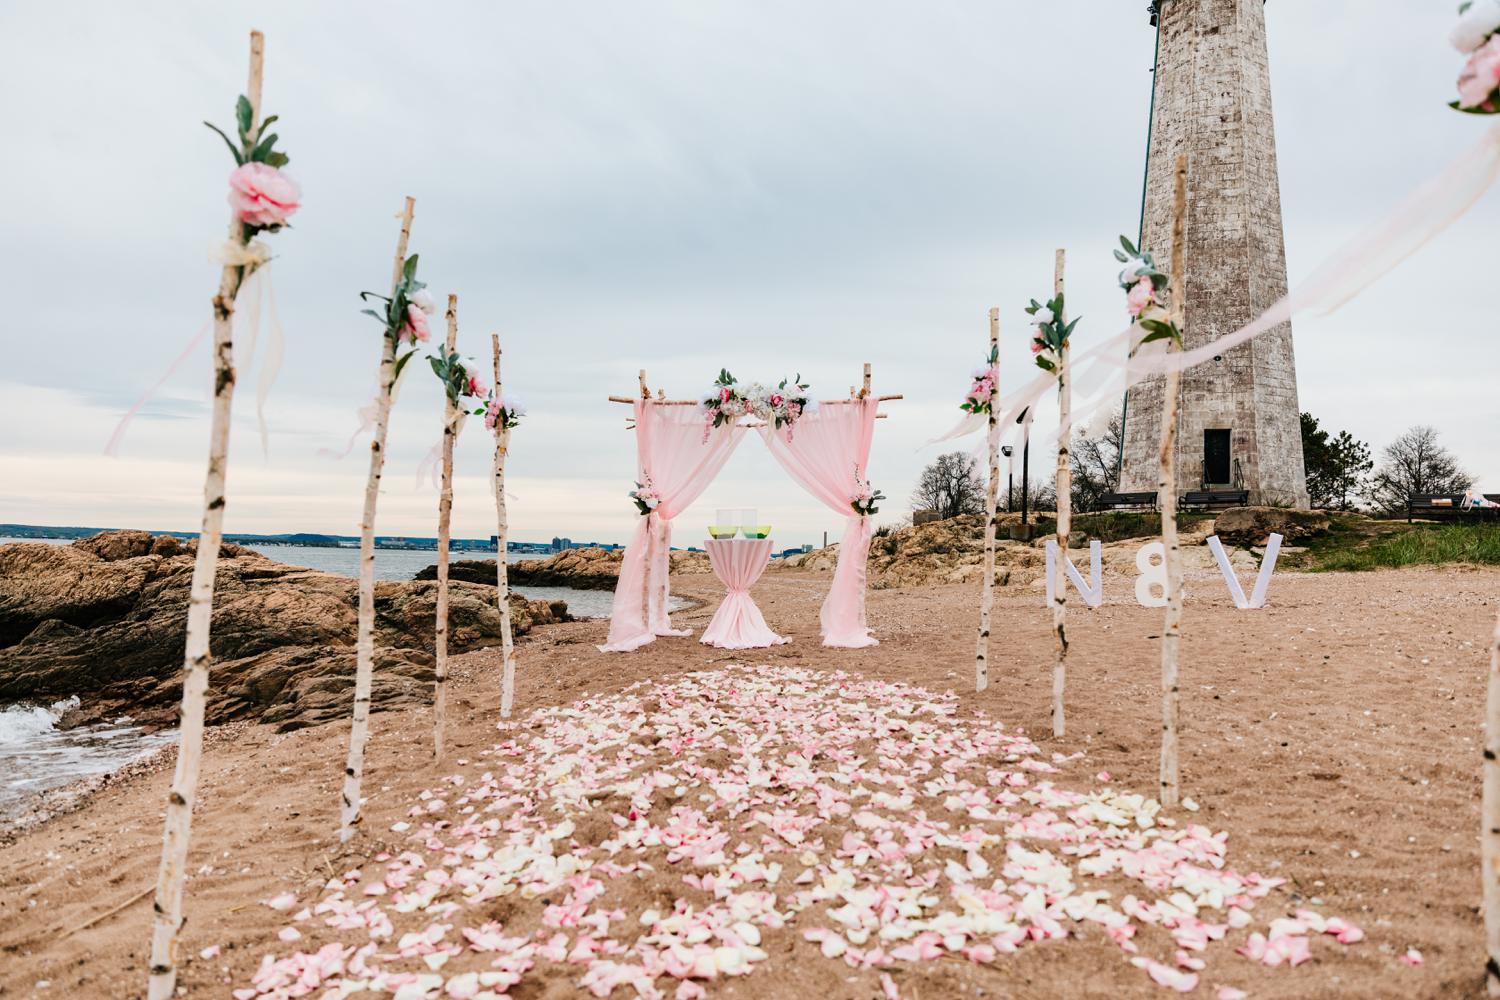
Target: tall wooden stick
{"points": [[1490, 833], [1064, 508], [502, 571], [445, 516], [196, 657], [359, 733], [1166, 488], [991, 503]]}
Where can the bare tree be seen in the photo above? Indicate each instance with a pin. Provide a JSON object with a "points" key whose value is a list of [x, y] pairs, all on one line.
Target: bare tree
{"points": [[1415, 463], [1096, 463], [951, 485]]}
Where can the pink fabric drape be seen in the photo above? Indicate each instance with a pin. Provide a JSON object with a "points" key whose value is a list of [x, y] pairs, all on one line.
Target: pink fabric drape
{"points": [[738, 624], [827, 453], [673, 457]]}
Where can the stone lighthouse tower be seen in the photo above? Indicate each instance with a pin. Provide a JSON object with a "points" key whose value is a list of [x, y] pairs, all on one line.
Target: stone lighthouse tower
{"points": [[1240, 425]]}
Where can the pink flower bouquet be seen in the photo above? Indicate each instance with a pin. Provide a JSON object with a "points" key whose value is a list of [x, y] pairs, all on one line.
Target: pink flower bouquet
{"points": [[1477, 35], [986, 382], [645, 497]]}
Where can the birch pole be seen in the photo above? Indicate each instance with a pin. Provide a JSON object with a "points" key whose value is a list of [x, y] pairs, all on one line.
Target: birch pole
{"points": [[1166, 488], [167, 906], [445, 516], [502, 526], [359, 732], [1064, 507], [991, 504], [1490, 810]]}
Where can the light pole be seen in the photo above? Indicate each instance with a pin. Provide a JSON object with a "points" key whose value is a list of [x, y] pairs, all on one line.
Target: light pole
{"points": [[1010, 477], [1025, 471]]}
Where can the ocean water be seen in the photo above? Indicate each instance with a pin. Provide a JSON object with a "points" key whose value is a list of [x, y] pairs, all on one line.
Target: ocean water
{"points": [[36, 756], [404, 564]]}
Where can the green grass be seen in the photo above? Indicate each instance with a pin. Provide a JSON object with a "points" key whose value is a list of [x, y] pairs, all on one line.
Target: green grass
{"points": [[1383, 545]]}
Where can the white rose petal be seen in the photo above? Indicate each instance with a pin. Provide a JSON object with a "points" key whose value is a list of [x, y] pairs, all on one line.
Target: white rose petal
{"points": [[1475, 25]]}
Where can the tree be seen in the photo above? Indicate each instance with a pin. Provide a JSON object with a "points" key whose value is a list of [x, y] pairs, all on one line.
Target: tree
{"points": [[1096, 463], [1415, 463], [951, 485], [1336, 467]]}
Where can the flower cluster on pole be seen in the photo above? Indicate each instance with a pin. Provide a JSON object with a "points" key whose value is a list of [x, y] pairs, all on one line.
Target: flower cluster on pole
{"points": [[1050, 334], [1147, 293], [1477, 35], [262, 195]]}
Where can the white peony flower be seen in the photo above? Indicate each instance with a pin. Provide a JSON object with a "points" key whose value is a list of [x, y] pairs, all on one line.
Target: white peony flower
{"points": [[810, 407], [1476, 24], [1043, 316], [423, 301], [1131, 274]]}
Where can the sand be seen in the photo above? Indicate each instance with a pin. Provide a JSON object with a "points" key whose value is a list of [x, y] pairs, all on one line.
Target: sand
{"points": [[1335, 736]]}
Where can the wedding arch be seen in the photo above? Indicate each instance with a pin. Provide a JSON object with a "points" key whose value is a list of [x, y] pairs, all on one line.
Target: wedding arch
{"points": [[681, 446]]}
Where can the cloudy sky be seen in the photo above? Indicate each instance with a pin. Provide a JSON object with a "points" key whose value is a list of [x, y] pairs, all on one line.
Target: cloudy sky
{"points": [[771, 186]]}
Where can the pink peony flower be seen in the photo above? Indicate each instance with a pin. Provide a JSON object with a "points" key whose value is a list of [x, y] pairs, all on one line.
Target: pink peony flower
{"points": [[476, 385], [777, 399], [725, 393], [1036, 347], [261, 195], [1141, 295], [1481, 76], [416, 327]]}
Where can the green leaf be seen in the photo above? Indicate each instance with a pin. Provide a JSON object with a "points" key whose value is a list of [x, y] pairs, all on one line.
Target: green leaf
{"points": [[265, 124], [1468, 111], [1129, 247], [233, 149], [401, 362], [372, 312], [1044, 364], [243, 113], [438, 368], [258, 154], [1120, 256], [409, 270], [277, 160]]}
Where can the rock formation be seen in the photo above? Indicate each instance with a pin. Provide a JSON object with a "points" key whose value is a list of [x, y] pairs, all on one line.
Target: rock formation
{"points": [[103, 619]]}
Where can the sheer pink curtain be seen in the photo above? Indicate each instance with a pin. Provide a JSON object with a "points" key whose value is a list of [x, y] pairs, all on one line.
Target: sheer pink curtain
{"points": [[827, 453], [673, 457]]}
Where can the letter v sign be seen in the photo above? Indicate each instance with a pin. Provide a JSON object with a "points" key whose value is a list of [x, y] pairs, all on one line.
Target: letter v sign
{"points": [[1262, 582]]}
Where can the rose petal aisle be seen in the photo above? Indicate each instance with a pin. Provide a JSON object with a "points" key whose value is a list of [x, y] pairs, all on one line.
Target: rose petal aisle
{"points": [[737, 821]]}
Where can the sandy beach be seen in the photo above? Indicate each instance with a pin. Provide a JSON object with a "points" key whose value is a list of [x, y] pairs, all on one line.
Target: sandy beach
{"points": [[1334, 736]]}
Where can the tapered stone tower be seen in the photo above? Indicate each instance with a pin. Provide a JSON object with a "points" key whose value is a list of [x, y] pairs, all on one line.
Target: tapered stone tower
{"points": [[1240, 424]]}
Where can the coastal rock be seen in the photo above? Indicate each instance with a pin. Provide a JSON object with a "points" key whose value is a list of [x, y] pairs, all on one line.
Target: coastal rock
{"points": [[1253, 525], [104, 619]]}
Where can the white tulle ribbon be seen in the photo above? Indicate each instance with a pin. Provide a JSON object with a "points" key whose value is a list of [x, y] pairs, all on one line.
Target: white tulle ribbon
{"points": [[429, 467], [366, 416], [1105, 372], [256, 258]]}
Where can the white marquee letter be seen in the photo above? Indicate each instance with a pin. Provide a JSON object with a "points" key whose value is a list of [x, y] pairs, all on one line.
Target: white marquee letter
{"points": [[1093, 595], [1262, 582], [1151, 560]]}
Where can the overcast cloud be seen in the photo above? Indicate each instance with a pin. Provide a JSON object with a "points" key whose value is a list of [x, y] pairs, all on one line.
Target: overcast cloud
{"points": [[772, 186]]}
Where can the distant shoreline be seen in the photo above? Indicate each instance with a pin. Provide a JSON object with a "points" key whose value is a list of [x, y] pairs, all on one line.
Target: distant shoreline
{"points": [[28, 532]]}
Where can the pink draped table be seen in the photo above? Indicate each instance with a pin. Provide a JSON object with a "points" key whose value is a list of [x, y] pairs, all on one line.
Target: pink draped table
{"points": [[738, 624]]}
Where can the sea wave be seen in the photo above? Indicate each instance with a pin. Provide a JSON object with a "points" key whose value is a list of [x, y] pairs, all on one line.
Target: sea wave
{"points": [[24, 723]]}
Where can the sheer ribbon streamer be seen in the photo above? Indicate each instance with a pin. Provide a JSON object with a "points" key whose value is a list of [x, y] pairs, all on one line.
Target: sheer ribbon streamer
{"points": [[1102, 374], [246, 337]]}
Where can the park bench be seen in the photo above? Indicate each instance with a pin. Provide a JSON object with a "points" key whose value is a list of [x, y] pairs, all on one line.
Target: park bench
{"points": [[1448, 507], [1215, 499], [1117, 501]]}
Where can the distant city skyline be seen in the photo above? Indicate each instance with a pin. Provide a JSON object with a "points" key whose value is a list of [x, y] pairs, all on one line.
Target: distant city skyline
{"points": [[770, 187]]}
